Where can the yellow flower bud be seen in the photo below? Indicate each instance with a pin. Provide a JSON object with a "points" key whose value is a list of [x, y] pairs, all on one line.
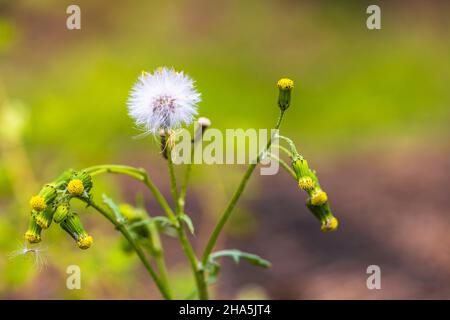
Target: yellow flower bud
{"points": [[37, 203], [330, 225], [44, 218], [306, 183], [85, 242], [285, 84], [318, 198], [284, 97], [75, 187], [33, 234]]}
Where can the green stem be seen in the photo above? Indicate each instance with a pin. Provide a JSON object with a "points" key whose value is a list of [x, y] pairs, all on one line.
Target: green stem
{"points": [[138, 174], [284, 165], [187, 175], [173, 183], [159, 255], [237, 194], [186, 245], [136, 248], [285, 150]]}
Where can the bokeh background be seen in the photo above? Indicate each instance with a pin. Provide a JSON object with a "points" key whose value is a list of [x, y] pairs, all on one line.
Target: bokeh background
{"points": [[370, 111]]}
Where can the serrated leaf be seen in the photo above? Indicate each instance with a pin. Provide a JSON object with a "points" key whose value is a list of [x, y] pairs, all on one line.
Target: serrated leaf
{"points": [[114, 208], [188, 221]]}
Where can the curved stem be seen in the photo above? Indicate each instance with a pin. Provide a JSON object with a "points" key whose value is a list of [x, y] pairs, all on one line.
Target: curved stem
{"points": [[237, 194], [285, 150], [136, 248], [284, 165], [138, 174]]}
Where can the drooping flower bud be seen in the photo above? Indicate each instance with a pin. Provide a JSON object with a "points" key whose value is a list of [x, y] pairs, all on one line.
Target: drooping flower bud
{"points": [[61, 212], [319, 197], [284, 97], [301, 168], [33, 233], [75, 187], [44, 218], [306, 183], [330, 225], [73, 226], [323, 213], [43, 199], [80, 183], [37, 203]]}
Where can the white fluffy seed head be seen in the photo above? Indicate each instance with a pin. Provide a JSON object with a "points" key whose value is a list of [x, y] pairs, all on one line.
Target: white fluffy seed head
{"points": [[165, 99]]}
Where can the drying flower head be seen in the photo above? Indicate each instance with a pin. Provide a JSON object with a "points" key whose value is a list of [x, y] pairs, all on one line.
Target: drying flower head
{"points": [[164, 99]]}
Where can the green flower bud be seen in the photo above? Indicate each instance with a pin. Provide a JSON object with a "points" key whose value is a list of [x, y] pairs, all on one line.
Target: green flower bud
{"points": [[61, 212], [73, 226], [79, 183], [319, 197], [43, 199], [33, 234], [323, 214], [284, 97], [301, 168], [44, 218]]}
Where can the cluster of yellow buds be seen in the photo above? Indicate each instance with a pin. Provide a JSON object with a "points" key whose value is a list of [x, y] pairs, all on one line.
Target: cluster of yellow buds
{"points": [[317, 202], [52, 203]]}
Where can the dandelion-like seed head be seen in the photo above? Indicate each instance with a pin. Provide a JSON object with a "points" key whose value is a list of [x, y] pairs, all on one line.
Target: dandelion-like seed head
{"points": [[37, 203], [318, 198], [75, 187], [165, 99]]}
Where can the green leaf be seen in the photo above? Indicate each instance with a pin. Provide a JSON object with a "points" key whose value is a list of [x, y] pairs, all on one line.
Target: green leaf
{"points": [[187, 220], [213, 266], [114, 208], [237, 255], [165, 225]]}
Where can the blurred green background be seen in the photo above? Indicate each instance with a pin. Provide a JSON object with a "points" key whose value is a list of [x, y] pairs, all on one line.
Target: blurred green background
{"points": [[370, 110]]}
